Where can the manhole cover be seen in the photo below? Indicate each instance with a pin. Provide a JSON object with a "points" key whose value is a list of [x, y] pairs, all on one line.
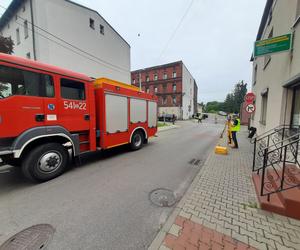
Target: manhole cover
{"points": [[163, 197], [33, 238]]}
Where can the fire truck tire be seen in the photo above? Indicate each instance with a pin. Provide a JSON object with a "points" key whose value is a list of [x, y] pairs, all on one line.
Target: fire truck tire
{"points": [[137, 141], [45, 162]]}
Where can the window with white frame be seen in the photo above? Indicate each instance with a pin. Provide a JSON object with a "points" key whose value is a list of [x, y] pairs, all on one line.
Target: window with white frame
{"points": [[174, 74], [147, 78], [155, 77], [147, 90], [165, 76], [174, 87], [174, 100], [25, 29], [264, 107], [18, 36], [155, 89], [101, 29], [255, 75], [92, 23]]}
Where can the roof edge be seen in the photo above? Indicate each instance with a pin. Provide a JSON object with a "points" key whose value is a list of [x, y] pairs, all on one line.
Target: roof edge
{"points": [[15, 4], [157, 66], [264, 19]]}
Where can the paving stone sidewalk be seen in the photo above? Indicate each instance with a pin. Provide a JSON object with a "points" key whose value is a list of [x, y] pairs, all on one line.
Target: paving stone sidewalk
{"points": [[220, 210]]}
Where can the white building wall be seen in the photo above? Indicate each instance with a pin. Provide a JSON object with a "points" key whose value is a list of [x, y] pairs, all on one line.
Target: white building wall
{"points": [[188, 93], [170, 110], [278, 71], [109, 54], [26, 44]]}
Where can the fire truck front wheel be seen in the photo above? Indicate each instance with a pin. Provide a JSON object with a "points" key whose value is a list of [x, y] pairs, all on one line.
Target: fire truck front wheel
{"points": [[137, 140], [45, 162]]}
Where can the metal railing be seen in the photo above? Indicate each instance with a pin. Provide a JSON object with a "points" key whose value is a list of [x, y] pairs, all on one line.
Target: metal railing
{"points": [[281, 167], [272, 139]]}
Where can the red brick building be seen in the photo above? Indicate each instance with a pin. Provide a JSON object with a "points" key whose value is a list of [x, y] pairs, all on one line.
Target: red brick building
{"points": [[173, 84]]}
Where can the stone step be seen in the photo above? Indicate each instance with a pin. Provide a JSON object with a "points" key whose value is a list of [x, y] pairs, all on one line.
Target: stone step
{"points": [[285, 202]]}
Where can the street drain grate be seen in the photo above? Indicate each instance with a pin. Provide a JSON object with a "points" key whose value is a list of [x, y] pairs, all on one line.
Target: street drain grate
{"points": [[33, 238], [162, 197], [195, 162], [192, 161]]}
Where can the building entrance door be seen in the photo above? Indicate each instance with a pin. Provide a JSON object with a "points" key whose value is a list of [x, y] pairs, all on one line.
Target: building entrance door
{"points": [[296, 107]]}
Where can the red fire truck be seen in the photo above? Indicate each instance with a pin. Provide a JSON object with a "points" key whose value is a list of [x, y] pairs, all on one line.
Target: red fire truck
{"points": [[50, 116]]}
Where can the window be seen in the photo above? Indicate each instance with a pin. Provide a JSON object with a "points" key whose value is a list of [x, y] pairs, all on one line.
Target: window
{"points": [[174, 74], [165, 76], [147, 78], [165, 88], [25, 29], [155, 77], [174, 100], [18, 36], [92, 23], [133, 81], [101, 29], [155, 89], [147, 90], [71, 89], [270, 16], [28, 55], [174, 87], [255, 75], [15, 81], [164, 100], [264, 107]]}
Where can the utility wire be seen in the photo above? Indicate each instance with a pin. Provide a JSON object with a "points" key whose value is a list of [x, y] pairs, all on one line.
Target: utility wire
{"points": [[176, 29], [102, 62]]}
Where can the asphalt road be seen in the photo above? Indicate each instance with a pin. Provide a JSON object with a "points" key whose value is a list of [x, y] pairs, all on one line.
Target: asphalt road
{"points": [[104, 203]]}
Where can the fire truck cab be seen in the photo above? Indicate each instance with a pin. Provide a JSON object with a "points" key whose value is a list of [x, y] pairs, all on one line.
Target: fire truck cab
{"points": [[50, 115]]}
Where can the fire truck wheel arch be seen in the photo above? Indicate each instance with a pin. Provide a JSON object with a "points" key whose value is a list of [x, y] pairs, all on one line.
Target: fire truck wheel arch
{"points": [[136, 129], [40, 133]]}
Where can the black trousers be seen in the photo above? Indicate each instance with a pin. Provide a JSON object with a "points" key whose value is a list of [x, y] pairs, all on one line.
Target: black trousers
{"points": [[234, 139]]}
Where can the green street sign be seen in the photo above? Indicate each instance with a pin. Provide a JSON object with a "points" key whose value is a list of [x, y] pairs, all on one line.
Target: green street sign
{"points": [[272, 45]]}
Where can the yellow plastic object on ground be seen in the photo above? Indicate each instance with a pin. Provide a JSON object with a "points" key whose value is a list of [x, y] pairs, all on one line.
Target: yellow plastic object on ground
{"points": [[221, 150]]}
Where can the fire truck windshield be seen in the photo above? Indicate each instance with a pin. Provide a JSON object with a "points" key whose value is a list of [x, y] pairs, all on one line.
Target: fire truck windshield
{"points": [[15, 81]]}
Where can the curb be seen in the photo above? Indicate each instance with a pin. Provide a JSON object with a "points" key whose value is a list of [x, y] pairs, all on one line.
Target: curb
{"points": [[158, 240], [168, 128]]}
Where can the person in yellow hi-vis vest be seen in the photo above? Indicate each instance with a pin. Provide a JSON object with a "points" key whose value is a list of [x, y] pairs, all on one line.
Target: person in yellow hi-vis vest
{"points": [[229, 125], [236, 127]]}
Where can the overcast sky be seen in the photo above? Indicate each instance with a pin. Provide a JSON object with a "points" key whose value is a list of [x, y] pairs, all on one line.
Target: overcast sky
{"points": [[215, 39]]}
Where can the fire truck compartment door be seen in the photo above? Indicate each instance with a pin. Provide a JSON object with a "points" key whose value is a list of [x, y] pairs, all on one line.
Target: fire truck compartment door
{"points": [[116, 110], [138, 110], [152, 114]]}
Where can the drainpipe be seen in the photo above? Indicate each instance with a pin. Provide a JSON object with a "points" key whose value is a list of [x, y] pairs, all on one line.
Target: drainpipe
{"points": [[33, 31]]}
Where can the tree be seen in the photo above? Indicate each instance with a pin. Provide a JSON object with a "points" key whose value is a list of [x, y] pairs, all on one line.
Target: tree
{"points": [[239, 93], [213, 107], [6, 45]]}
